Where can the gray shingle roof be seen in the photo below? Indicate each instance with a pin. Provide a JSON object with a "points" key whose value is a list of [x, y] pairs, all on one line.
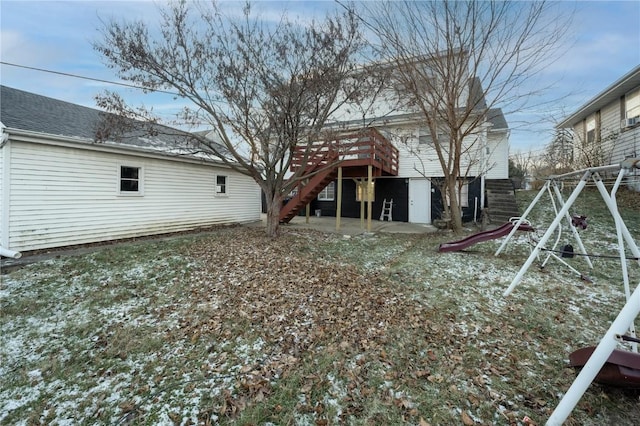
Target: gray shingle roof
{"points": [[496, 117], [28, 111], [36, 113]]}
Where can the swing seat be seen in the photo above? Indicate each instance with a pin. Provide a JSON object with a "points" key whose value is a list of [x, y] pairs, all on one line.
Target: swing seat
{"points": [[622, 369], [579, 221]]}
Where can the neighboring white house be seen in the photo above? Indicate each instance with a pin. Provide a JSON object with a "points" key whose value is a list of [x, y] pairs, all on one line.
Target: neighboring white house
{"points": [[60, 187], [606, 129]]}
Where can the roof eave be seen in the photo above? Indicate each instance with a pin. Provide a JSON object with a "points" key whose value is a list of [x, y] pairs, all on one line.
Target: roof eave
{"points": [[617, 89], [113, 147]]}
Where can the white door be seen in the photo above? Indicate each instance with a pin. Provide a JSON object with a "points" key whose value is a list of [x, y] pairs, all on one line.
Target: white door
{"points": [[419, 201]]}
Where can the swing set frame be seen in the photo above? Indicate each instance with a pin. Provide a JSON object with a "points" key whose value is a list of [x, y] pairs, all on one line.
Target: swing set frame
{"points": [[623, 323]]}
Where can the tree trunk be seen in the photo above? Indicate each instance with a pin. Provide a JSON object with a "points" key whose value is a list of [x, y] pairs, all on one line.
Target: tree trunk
{"points": [[454, 205], [274, 204]]}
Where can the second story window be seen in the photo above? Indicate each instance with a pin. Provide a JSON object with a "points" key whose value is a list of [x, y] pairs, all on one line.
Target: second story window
{"points": [[591, 129], [632, 106], [424, 136]]}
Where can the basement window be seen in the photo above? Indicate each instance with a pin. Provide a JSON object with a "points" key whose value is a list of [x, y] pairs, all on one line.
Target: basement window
{"points": [[462, 193], [328, 193], [130, 180]]}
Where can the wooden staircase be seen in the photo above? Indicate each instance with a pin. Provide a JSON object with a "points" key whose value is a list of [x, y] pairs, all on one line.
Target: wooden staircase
{"points": [[316, 165], [501, 200], [322, 171]]}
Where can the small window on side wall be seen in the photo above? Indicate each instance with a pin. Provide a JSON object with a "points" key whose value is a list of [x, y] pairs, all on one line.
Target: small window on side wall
{"points": [[221, 185], [328, 193], [130, 180]]}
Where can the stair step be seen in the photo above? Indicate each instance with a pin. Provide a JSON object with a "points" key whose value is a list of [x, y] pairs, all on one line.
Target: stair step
{"points": [[503, 204], [501, 200], [315, 185]]}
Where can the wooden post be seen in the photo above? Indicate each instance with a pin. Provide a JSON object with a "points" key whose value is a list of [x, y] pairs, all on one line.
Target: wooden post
{"points": [[369, 196], [362, 195], [307, 212], [339, 199]]}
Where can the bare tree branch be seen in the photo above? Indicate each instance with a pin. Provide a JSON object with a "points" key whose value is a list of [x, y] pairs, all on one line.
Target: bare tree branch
{"points": [[263, 89], [457, 61]]}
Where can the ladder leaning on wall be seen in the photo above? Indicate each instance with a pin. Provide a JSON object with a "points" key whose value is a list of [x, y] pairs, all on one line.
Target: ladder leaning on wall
{"points": [[387, 206]]}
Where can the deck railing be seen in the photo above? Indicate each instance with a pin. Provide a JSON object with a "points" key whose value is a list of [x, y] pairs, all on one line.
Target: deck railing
{"points": [[355, 149]]}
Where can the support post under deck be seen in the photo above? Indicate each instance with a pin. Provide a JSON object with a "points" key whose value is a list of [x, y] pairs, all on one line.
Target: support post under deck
{"points": [[369, 196], [339, 205]]}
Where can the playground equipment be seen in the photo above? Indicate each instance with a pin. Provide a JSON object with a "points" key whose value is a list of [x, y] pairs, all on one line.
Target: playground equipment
{"points": [[622, 368], [605, 352], [552, 187], [492, 234]]}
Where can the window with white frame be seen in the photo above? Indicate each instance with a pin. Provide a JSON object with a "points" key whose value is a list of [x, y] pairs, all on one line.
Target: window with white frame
{"points": [[221, 185], [591, 129], [328, 193], [632, 104], [462, 192], [130, 180], [424, 136]]}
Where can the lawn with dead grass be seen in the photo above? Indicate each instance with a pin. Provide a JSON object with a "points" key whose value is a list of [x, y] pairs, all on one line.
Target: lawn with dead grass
{"points": [[309, 329]]}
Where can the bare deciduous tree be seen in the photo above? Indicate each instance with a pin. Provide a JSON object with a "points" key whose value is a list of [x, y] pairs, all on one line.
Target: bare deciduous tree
{"points": [[520, 166], [264, 88], [593, 153], [558, 154], [456, 60]]}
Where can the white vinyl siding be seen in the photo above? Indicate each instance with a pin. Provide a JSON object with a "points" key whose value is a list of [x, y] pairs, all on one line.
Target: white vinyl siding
{"points": [[498, 156], [4, 203], [64, 196], [419, 158], [611, 148]]}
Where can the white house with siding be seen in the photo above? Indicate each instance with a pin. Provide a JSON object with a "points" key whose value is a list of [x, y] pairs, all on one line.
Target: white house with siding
{"points": [[59, 187], [606, 129], [414, 191]]}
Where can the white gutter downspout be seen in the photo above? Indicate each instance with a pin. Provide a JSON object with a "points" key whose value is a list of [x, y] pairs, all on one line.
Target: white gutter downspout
{"points": [[4, 136], [4, 201], [10, 253]]}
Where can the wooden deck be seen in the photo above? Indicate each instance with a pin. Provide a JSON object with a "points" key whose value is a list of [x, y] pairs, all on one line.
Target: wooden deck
{"points": [[356, 151]]}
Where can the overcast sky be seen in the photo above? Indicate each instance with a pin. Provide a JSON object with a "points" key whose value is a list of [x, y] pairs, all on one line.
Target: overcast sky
{"points": [[603, 45]]}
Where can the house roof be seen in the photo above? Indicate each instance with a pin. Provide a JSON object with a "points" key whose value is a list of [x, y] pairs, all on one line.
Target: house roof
{"points": [[30, 112], [625, 84], [496, 117]]}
